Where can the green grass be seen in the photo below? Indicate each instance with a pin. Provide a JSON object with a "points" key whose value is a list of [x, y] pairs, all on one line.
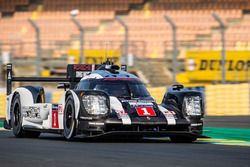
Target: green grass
{"points": [[228, 133], [1, 124]]}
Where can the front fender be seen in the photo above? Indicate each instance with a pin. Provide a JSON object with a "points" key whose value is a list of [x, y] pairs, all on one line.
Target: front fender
{"points": [[76, 101]]}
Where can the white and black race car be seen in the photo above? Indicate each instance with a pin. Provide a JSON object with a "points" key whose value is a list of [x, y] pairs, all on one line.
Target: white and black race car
{"points": [[101, 100]]}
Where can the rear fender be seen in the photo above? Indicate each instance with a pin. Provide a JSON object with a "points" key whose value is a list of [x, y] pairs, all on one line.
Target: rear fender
{"points": [[37, 93], [29, 95], [26, 98]]}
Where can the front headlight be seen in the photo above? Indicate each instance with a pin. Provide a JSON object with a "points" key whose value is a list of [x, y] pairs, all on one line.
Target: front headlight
{"points": [[95, 104], [192, 105]]}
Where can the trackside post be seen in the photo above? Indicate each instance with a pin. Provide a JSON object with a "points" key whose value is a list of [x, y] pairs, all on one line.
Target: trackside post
{"points": [[9, 79]]}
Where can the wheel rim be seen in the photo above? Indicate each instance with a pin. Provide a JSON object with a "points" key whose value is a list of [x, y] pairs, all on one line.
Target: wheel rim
{"points": [[69, 117], [17, 115]]}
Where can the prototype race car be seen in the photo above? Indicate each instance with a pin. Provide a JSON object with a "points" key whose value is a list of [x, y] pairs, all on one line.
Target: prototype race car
{"points": [[101, 100]]}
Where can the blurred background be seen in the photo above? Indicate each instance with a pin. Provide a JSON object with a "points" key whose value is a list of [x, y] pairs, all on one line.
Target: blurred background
{"points": [[202, 44]]}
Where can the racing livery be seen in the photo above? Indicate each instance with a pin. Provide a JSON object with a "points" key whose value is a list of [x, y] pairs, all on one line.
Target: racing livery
{"points": [[102, 100]]}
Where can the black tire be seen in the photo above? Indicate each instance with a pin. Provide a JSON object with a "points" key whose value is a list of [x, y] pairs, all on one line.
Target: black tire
{"points": [[16, 120], [69, 121], [16, 117], [183, 139]]}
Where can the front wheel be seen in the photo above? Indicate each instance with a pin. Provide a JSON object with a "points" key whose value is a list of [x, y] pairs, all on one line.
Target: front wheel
{"points": [[69, 121], [183, 139]]}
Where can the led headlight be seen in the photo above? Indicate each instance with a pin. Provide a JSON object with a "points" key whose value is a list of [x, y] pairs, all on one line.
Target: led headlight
{"points": [[192, 105], [95, 104]]}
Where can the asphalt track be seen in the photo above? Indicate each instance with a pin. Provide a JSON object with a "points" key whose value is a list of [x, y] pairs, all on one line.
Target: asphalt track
{"points": [[53, 150]]}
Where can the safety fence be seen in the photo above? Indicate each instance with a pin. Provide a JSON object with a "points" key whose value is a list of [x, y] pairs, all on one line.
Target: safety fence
{"points": [[220, 100]]}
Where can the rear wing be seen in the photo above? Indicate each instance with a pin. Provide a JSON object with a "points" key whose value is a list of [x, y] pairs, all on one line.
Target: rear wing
{"points": [[74, 74], [77, 71]]}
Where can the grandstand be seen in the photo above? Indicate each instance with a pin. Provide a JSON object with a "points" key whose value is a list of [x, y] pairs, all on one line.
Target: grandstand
{"points": [[150, 37]]}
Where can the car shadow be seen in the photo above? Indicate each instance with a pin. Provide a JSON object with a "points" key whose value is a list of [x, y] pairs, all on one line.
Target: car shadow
{"points": [[114, 139], [78, 139]]}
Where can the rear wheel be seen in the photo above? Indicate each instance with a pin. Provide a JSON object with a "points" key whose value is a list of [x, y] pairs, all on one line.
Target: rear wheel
{"points": [[183, 139], [16, 120], [69, 121]]}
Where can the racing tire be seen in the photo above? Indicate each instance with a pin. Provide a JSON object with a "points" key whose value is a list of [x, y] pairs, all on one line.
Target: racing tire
{"points": [[183, 139], [69, 121], [16, 120]]}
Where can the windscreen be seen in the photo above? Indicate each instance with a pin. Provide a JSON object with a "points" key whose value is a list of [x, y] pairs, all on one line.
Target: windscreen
{"points": [[118, 88], [113, 88]]}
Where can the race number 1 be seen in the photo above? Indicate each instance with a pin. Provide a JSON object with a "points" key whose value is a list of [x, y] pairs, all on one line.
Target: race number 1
{"points": [[145, 111]]}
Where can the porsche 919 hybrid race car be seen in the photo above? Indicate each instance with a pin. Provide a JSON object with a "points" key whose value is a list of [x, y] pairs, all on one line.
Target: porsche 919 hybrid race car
{"points": [[102, 100]]}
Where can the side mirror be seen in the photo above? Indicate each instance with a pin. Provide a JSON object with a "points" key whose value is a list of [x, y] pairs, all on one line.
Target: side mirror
{"points": [[63, 86]]}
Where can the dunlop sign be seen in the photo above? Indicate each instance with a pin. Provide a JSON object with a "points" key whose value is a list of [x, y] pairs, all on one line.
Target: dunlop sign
{"points": [[231, 65], [206, 65]]}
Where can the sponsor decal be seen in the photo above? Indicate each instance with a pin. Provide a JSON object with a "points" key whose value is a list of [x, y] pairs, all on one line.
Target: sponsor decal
{"points": [[82, 70], [31, 112], [86, 118], [169, 115], [124, 117], [118, 109], [145, 111], [82, 67], [96, 123], [55, 111], [167, 112], [135, 103], [121, 112], [80, 74], [196, 124], [55, 123], [60, 108]]}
